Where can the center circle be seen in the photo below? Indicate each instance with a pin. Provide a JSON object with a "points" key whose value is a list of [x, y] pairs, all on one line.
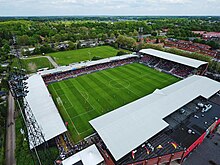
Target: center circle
{"points": [[118, 84]]}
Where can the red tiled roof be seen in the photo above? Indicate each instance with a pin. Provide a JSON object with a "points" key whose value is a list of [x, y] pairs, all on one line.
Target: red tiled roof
{"points": [[192, 47]]}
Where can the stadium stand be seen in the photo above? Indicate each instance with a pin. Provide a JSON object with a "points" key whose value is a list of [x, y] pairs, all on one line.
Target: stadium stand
{"points": [[88, 156], [151, 131], [85, 70], [89, 67], [170, 63], [44, 110], [181, 67], [85, 64], [64, 146]]}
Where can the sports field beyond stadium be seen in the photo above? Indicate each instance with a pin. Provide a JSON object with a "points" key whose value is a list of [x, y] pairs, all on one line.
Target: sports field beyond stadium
{"points": [[72, 56], [83, 98]]}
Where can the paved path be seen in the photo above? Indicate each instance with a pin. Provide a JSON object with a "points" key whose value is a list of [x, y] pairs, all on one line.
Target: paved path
{"points": [[10, 133], [55, 65], [52, 61]]}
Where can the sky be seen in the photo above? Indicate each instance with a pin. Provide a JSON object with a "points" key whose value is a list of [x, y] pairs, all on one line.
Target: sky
{"points": [[108, 7]]}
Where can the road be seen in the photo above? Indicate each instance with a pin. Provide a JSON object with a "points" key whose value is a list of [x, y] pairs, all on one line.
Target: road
{"points": [[10, 133], [55, 65]]}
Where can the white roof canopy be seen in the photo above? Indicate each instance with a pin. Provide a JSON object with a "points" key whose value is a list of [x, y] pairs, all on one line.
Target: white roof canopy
{"points": [[88, 156], [127, 127], [173, 57], [44, 109], [85, 64]]}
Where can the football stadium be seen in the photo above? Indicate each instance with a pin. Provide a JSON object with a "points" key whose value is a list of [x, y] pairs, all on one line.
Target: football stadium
{"points": [[149, 107]]}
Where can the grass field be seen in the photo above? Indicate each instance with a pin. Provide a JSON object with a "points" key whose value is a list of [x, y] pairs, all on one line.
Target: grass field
{"points": [[32, 65], [83, 98], [68, 57]]}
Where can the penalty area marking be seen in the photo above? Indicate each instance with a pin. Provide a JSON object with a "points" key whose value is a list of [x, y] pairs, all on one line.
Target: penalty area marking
{"points": [[84, 94], [61, 103], [70, 118], [84, 113], [59, 100], [86, 131]]}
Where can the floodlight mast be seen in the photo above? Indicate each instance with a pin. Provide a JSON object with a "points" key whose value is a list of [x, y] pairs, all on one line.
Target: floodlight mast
{"points": [[26, 124], [140, 34], [18, 87]]}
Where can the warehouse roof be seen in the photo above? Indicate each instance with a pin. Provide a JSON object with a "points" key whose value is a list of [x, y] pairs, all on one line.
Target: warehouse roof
{"points": [[43, 108], [173, 57], [125, 128], [88, 156], [85, 64]]}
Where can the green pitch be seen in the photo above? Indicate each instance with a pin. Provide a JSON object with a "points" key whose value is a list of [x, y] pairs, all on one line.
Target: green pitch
{"points": [[86, 97], [68, 57], [33, 64]]}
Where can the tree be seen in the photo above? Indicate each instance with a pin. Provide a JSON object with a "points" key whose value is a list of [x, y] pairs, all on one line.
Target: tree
{"points": [[4, 41], [96, 58], [46, 48], [6, 48], [57, 38], [213, 66], [131, 43], [130, 34], [120, 40], [23, 40], [121, 52], [125, 41], [72, 45], [135, 33], [112, 35], [104, 37], [213, 44], [158, 47], [37, 50]]}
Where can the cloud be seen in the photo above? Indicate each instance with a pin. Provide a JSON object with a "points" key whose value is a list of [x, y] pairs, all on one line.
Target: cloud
{"points": [[109, 7], [176, 1]]}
